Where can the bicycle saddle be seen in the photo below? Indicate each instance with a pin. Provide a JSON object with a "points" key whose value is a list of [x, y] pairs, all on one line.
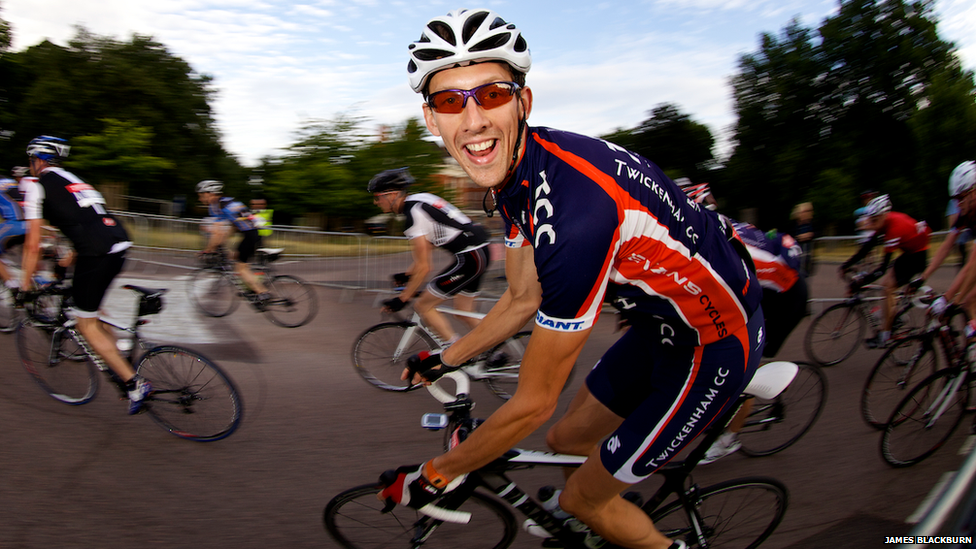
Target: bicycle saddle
{"points": [[771, 379], [147, 292]]}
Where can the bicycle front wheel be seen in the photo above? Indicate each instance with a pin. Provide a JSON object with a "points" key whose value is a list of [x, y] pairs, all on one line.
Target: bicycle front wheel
{"points": [[775, 424], [502, 365], [834, 335], [355, 520], [57, 363], [901, 367], [381, 353], [925, 419], [292, 303], [738, 514], [213, 292], [191, 396]]}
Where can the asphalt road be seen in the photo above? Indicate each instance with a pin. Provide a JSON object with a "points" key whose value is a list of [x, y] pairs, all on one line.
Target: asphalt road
{"points": [[93, 477]]}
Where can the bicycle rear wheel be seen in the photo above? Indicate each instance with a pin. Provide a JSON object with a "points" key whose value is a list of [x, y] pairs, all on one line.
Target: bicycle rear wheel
{"points": [[835, 334], [355, 520], [901, 367], [57, 363], [925, 419], [775, 424], [293, 302], [213, 292], [738, 514], [502, 365], [191, 397], [381, 353]]}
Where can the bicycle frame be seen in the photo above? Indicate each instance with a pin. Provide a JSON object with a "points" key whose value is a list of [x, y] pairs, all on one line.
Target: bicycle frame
{"points": [[493, 478]]}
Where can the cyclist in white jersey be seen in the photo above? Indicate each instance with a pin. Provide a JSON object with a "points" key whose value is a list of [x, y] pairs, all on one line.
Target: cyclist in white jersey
{"points": [[433, 222]]}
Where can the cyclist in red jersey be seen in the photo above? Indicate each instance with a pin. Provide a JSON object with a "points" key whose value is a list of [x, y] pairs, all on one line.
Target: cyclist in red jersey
{"points": [[896, 231], [582, 214]]}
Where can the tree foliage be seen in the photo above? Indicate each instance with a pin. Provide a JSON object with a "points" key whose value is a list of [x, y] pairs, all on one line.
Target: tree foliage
{"points": [[873, 99], [326, 170], [672, 140], [138, 84]]}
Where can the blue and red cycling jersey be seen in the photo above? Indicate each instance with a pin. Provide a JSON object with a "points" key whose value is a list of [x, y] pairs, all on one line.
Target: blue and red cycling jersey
{"points": [[597, 214], [10, 199], [776, 256]]}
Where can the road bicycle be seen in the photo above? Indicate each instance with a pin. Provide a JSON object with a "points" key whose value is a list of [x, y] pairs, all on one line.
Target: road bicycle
{"points": [[775, 424], [932, 410], [910, 360], [834, 334], [738, 513], [215, 289], [192, 397], [380, 354]]}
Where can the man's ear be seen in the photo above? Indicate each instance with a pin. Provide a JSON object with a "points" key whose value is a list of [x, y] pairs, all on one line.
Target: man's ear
{"points": [[431, 121], [526, 98]]}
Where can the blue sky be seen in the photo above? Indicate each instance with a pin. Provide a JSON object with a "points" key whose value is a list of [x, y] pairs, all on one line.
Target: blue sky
{"points": [[597, 66]]}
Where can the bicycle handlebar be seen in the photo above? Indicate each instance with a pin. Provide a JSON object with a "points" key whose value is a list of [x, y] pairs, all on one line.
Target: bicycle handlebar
{"points": [[462, 387], [439, 513]]}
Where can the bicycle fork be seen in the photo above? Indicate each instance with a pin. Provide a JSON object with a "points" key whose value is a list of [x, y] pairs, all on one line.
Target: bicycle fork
{"points": [[942, 401]]}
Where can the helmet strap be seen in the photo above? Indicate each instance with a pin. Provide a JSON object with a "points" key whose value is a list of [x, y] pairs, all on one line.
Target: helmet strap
{"points": [[511, 167]]}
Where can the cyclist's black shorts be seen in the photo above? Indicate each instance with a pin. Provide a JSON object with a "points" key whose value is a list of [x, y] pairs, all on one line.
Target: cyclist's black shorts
{"points": [[783, 311], [249, 243], [907, 265], [93, 276], [463, 276], [666, 393]]}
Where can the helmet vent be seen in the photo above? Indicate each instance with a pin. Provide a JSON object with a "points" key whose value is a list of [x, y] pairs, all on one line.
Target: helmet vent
{"points": [[499, 22], [444, 31], [520, 44], [491, 43], [471, 25], [431, 54]]}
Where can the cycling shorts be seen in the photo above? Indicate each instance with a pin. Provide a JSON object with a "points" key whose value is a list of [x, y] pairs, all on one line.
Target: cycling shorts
{"points": [[11, 234], [668, 394], [93, 276], [248, 245], [909, 264], [463, 276], [783, 311]]}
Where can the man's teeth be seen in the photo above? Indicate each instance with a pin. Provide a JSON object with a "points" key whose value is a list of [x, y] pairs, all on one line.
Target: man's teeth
{"points": [[479, 147]]}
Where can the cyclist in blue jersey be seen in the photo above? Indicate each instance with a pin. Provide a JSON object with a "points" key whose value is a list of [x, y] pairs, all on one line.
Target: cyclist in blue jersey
{"points": [[581, 214], [231, 215], [100, 243], [12, 224], [784, 302]]}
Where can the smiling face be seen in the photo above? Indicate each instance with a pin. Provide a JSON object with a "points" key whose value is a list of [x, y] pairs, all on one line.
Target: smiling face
{"points": [[482, 141]]}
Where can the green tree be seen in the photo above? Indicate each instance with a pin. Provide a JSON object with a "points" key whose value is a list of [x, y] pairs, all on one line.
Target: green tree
{"points": [[120, 153], [853, 99], [672, 140], [68, 91]]}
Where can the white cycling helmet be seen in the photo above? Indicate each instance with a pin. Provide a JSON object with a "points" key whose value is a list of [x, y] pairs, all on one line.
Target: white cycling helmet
{"points": [[463, 37], [963, 178], [210, 186], [878, 206]]}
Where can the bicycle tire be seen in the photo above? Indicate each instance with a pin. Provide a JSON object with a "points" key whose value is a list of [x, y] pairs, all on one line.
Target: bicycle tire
{"points": [[909, 437], [292, 303], [57, 363], [355, 520], [894, 375], [213, 292], [829, 340], [191, 396], [380, 354], [732, 514], [776, 424]]}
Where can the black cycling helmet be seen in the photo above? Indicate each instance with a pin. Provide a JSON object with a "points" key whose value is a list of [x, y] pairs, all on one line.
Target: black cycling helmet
{"points": [[390, 180]]}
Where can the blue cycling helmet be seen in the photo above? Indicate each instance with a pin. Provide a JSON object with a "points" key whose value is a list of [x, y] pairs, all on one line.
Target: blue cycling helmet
{"points": [[49, 149]]}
